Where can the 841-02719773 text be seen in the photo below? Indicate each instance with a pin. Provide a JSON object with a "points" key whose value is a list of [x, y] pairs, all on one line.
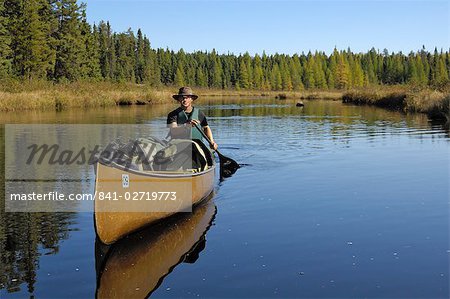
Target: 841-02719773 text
{"points": [[160, 195]]}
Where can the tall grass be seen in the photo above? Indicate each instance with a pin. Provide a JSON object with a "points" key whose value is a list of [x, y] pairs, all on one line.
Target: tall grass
{"points": [[435, 104], [432, 102], [15, 96], [44, 95]]}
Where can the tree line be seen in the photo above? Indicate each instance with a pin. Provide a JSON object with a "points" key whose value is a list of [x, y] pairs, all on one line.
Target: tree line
{"points": [[52, 40]]}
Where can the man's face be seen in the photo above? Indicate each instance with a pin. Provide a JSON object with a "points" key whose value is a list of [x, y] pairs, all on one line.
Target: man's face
{"points": [[185, 101]]}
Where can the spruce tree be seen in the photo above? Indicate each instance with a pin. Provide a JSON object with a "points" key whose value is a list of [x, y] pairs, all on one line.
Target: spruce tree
{"points": [[215, 71], [200, 78], [244, 80], [140, 59], [34, 45], [357, 74], [152, 70], [319, 74], [71, 48], [257, 72], [179, 76], [91, 60], [342, 73], [440, 73], [309, 73], [5, 44], [276, 81]]}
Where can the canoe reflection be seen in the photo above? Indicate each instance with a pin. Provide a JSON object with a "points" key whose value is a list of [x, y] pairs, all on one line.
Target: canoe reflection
{"points": [[136, 266]]}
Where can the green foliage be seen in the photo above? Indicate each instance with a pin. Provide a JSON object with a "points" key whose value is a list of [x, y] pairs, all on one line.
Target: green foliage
{"points": [[5, 44], [244, 77], [51, 40], [32, 26], [71, 48], [276, 82]]}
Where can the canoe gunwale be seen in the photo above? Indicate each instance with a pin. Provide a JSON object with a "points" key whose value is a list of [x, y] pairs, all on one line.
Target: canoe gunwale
{"points": [[159, 174]]}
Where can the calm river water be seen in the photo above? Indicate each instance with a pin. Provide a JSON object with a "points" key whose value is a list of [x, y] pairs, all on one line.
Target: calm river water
{"points": [[337, 202]]}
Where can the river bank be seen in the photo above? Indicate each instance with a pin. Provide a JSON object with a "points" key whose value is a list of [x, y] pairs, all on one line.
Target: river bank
{"points": [[19, 96], [434, 103]]}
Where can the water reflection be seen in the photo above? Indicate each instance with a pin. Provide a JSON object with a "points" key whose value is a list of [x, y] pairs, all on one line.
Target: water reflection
{"points": [[24, 237], [135, 266], [269, 134]]}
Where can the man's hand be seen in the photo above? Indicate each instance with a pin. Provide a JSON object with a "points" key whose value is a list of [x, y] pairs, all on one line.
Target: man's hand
{"points": [[213, 145], [193, 122]]}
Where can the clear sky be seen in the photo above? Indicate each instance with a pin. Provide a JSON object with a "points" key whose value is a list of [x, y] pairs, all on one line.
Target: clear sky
{"points": [[280, 26]]}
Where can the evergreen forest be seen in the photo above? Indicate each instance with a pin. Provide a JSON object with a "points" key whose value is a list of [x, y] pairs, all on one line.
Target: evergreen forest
{"points": [[51, 40]]}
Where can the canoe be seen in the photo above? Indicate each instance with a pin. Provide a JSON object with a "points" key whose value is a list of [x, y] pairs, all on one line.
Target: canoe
{"points": [[127, 200], [136, 266]]}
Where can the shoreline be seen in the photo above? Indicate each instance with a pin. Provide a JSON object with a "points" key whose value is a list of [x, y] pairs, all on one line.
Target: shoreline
{"points": [[435, 104], [15, 97], [26, 96]]}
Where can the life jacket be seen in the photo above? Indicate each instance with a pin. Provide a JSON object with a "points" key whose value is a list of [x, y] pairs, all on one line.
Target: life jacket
{"points": [[182, 118]]}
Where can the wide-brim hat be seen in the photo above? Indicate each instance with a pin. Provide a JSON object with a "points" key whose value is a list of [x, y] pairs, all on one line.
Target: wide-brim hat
{"points": [[185, 91]]}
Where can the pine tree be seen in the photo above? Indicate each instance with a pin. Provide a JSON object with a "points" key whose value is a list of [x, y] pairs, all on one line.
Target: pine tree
{"points": [[125, 56], [244, 80], [34, 53], [151, 70], [5, 44], [257, 72], [357, 74], [332, 67], [91, 60], [440, 73], [319, 74], [190, 70], [342, 73], [215, 71], [140, 59], [200, 78], [106, 50], [71, 48], [179, 75], [309, 80], [295, 72], [276, 83]]}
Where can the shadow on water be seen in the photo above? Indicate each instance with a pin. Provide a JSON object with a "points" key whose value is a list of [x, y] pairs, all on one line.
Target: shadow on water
{"points": [[136, 266]]}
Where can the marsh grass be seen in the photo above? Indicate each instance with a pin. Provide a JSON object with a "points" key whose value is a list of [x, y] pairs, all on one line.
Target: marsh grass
{"points": [[434, 103], [407, 99], [44, 95], [16, 96]]}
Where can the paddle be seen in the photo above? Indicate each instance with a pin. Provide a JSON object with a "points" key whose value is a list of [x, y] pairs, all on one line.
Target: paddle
{"points": [[227, 165]]}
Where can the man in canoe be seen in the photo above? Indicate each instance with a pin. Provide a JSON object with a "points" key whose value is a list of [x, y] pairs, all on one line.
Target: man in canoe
{"points": [[188, 116]]}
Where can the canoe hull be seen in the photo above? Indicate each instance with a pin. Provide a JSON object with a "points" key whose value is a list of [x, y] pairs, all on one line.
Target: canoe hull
{"points": [[135, 267], [117, 215]]}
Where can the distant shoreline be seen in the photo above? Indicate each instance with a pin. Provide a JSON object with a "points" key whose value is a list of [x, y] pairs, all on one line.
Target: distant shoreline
{"points": [[15, 97]]}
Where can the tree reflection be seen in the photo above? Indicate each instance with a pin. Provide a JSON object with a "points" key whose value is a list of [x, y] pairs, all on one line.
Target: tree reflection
{"points": [[24, 237]]}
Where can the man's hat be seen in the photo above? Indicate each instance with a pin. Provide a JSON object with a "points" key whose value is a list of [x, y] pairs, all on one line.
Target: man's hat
{"points": [[185, 91]]}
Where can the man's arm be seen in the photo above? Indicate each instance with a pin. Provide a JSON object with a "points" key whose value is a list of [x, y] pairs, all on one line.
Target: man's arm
{"points": [[208, 132]]}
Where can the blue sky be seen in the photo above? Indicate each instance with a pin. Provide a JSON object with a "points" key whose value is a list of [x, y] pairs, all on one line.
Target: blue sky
{"points": [[280, 26]]}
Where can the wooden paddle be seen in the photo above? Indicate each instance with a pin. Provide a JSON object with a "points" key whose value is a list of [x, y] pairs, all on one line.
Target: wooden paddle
{"points": [[227, 165]]}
